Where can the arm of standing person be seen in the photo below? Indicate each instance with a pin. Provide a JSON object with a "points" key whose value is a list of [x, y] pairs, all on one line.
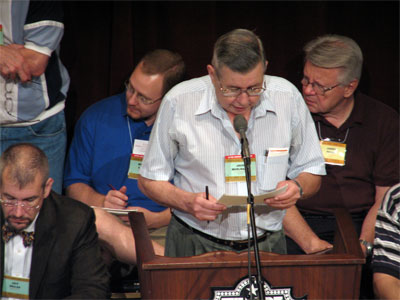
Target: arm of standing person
{"points": [[293, 223], [303, 186], [12, 63], [17, 62], [298, 230], [36, 61]]}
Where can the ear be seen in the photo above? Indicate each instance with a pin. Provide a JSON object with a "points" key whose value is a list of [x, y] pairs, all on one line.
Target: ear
{"points": [[211, 71], [350, 88], [213, 74], [266, 65], [47, 187]]}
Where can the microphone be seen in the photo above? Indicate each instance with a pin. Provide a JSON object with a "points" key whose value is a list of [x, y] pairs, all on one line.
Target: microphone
{"points": [[240, 125]]}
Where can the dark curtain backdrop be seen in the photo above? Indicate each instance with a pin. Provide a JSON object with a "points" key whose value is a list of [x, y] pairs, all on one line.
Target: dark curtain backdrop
{"points": [[104, 40]]}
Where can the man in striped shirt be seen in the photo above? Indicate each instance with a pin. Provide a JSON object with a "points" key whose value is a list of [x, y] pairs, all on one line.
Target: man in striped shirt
{"points": [[194, 143], [386, 258]]}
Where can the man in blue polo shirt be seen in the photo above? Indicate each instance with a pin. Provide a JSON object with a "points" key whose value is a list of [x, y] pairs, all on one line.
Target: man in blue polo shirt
{"points": [[111, 138]]}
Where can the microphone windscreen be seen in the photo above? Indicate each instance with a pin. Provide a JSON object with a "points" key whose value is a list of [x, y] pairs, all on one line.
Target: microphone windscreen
{"points": [[240, 123]]}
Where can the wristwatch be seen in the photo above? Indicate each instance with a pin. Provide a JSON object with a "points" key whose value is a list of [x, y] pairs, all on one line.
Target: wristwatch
{"points": [[299, 186], [368, 246]]}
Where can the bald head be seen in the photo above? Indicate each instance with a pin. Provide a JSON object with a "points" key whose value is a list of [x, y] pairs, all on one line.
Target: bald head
{"points": [[22, 163]]}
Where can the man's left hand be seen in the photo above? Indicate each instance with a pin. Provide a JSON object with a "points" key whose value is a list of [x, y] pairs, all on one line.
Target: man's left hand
{"points": [[288, 198]]}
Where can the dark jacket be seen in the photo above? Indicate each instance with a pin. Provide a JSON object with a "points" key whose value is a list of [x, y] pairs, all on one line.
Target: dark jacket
{"points": [[66, 259]]}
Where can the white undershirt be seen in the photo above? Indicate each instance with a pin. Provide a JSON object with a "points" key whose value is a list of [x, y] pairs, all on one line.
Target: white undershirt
{"points": [[18, 258]]}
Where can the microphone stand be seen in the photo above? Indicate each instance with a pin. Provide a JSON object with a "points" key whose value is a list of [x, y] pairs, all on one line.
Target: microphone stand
{"points": [[250, 202]]}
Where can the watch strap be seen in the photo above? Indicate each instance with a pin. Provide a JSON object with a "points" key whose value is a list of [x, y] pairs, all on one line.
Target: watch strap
{"points": [[299, 186]]}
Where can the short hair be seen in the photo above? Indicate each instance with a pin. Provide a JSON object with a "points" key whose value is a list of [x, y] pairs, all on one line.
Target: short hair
{"points": [[240, 50], [336, 51], [24, 162], [165, 62]]}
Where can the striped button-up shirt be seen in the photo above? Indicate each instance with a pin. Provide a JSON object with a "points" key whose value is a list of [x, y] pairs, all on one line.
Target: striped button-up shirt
{"points": [[193, 134]]}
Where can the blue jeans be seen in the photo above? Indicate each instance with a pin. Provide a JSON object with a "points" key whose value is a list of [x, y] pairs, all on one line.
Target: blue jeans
{"points": [[50, 135]]}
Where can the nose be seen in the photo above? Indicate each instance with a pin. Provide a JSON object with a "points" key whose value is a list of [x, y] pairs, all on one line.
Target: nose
{"points": [[243, 98], [308, 89], [19, 210]]}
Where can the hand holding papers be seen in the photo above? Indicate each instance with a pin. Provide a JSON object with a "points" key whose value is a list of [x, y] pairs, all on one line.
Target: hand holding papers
{"points": [[230, 200]]}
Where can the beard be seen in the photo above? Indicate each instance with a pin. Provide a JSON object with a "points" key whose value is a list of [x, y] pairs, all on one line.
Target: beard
{"points": [[18, 223]]}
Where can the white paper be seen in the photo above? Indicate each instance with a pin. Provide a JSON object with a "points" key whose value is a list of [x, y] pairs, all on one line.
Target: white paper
{"points": [[231, 200], [116, 211]]}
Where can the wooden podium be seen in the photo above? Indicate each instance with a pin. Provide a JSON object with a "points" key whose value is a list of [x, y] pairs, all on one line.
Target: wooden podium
{"points": [[333, 275]]}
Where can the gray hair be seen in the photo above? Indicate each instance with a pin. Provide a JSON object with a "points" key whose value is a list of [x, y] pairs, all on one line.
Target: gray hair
{"points": [[240, 50], [336, 51], [23, 163]]}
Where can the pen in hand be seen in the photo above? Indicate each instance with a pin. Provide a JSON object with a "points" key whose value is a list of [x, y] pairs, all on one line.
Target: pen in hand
{"points": [[207, 198], [114, 189]]}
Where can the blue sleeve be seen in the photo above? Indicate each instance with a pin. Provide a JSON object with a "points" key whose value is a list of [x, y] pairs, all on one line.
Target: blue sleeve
{"points": [[78, 167]]}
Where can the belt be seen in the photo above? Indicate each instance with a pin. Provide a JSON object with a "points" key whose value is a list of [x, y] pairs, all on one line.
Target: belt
{"points": [[236, 245]]}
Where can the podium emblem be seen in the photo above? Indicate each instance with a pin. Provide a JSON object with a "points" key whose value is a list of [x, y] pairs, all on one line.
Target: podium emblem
{"points": [[243, 290]]}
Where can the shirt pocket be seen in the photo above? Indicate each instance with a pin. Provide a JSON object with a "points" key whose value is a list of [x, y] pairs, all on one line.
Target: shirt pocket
{"points": [[272, 169]]}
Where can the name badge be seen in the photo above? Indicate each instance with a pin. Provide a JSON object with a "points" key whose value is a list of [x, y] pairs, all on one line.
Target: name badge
{"points": [[15, 287], [234, 168], [334, 153], [138, 151]]}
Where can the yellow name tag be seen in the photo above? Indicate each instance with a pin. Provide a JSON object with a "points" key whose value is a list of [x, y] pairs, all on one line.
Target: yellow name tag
{"points": [[138, 151], [234, 168], [134, 166], [334, 153]]}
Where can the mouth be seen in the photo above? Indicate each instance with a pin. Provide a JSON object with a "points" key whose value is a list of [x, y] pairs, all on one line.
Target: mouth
{"points": [[239, 108], [309, 100], [18, 221]]}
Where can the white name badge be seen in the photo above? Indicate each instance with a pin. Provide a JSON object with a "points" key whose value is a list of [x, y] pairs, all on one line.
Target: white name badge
{"points": [[15, 287], [234, 168], [138, 151]]}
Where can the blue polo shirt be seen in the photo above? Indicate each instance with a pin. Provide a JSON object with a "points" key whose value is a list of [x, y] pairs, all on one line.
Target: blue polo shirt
{"points": [[100, 151]]}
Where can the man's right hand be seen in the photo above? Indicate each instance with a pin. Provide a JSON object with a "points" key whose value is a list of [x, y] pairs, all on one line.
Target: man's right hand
{"points": [[205, 209], [116, 198], [12, 64]]}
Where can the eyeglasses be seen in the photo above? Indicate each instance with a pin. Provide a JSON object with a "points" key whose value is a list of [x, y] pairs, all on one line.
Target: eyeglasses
{"points": [[235, 92], [24, 204], [130, 91], [318, 89]]}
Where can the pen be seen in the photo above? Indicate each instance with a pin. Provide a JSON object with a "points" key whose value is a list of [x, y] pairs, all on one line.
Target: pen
{"points": [[113, 188], [207, 198]]}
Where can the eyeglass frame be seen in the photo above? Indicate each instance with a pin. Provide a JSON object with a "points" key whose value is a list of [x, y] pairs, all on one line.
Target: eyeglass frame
{"points": [[129, 89], [240, 91], [323, 88], [14, 204]]}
